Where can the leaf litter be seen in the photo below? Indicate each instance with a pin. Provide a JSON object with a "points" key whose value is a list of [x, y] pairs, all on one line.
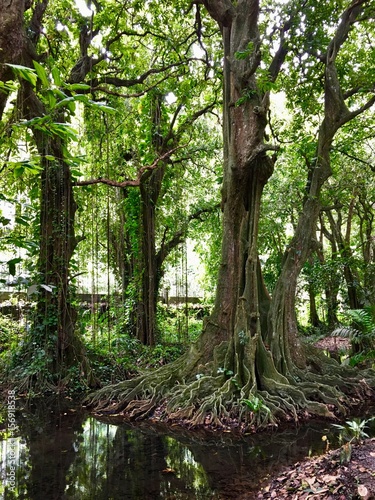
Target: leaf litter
{"points": [[333, 476]]}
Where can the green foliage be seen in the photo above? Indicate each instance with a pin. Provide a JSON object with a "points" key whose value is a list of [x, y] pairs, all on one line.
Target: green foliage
{"points": [[255, 404], [247, 95], [227, 373], [159, 355], [113, 361], [361, 333], [124, 357], [179, 324], [25, 73], [353, 430], [10, 333], [244, 54], [243, 338]]}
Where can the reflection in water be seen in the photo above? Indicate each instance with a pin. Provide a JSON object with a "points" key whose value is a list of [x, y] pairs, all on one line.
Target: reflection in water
{"points": [[114, 462], [62, 454]]}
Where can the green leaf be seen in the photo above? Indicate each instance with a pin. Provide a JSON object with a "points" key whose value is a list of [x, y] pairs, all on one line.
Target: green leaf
{"points": [[51, 98], [65, 102], [77, 86], [56, 76], [82, 98], [18, 171], [24, 72], [8, 86], [12, 265], [23, 221], [243, 54], [4, 221], [63, 130], [59, 93], [41, 72], [103, 107]]}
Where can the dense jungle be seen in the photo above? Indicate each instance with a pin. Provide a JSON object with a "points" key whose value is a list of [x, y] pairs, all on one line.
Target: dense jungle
{"points": [[187, 224]]}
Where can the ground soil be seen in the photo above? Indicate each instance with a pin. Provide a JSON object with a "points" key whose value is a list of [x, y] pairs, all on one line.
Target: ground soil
{"points": [[343, 474], [334, 344]]}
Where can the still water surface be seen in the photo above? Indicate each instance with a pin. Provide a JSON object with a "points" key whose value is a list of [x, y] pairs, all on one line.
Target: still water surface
{"points": [[65, 454]]}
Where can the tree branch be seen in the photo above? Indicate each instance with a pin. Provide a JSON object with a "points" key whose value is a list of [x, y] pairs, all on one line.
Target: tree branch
{"points": [[120, 82], [352, 114], [352, 157], [220, 10], [130, 182], [337, 112], [282, 51], [180, 235]]}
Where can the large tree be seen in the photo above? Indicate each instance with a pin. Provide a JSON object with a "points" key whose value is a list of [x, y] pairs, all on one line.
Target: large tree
{"points": [[52, 346], [250, 354]]}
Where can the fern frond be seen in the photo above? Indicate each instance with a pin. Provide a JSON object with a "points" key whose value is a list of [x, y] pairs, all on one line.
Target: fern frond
{"points": [[346, 332]]}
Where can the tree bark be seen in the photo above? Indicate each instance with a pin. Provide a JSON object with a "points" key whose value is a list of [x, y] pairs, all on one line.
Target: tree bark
{"points": [[12, 41]]}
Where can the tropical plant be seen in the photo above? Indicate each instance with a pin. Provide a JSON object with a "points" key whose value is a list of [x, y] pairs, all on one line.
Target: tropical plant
{"points": [[361, 333], [353, 430]]}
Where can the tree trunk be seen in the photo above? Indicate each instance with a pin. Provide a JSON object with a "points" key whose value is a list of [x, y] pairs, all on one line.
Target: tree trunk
{"points": [[54, 328], [11, 42], [368, 248], [314, 319], [146, 308], [343, 246], [57, 244], [331, 281]]}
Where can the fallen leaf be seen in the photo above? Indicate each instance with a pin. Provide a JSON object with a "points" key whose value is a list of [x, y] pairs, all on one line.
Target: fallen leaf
{"points": [[311, 480], [281, 479], [329, 479], [362, 491]]}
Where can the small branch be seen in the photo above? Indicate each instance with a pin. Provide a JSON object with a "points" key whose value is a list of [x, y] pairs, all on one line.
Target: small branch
{"points": [[352, 114], [352, 157], [262, 148], [128, 96], [282, 51], [180, 235]]}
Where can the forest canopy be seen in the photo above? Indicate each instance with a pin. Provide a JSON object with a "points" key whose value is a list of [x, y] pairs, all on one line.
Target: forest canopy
{"points": [[133, 132]]}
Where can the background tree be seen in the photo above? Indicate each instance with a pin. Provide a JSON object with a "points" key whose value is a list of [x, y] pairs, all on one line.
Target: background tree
{"points": [[53, 334]]}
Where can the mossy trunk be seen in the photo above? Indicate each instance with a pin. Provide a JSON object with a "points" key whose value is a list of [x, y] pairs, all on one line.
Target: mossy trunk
{"points": [[150, 188], [56, 314], [239, 317], [54, 327], [146, 306], [11, 42]]}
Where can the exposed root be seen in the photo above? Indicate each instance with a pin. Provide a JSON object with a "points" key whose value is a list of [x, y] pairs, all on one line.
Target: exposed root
{"points": [[193, 394]]}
